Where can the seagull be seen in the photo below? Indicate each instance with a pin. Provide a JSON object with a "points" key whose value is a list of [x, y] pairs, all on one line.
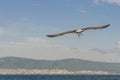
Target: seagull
{"points": [[79, 31]]}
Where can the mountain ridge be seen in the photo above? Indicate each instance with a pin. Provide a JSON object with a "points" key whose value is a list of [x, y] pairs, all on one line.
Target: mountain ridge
{"points": [[70, 64]]}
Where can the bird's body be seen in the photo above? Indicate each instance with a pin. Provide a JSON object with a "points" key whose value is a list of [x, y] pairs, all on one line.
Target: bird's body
{"points": [[78, 31]]}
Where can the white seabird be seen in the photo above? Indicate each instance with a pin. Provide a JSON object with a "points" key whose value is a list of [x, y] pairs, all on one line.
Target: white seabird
{"points": [[78, 31]]}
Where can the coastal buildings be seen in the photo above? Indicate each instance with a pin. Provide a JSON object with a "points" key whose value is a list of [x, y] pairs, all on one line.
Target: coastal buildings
{"points": [[47, 71]]}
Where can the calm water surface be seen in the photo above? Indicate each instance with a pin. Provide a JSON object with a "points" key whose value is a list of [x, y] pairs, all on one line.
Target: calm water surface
{"points": [[59, 77]]}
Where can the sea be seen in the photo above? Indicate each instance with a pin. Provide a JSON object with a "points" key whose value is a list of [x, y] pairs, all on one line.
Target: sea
{"points": [[59, 77]]}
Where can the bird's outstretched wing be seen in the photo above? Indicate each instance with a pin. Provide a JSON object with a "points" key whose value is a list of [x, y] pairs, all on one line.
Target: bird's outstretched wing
{"points": [[94, 28], [60, 34], [78, 31]]}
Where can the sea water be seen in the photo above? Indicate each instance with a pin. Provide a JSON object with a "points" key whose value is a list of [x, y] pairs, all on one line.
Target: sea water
{"points": [[59, 77]]}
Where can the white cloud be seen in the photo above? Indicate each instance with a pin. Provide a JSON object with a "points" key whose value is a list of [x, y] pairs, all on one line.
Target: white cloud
{"points": [[108, 1], [35, 40], [108, 51], [24, 19], [100, 50], [44, 48], [3, 32], [118, 44], [83, 11], [34, 47]]}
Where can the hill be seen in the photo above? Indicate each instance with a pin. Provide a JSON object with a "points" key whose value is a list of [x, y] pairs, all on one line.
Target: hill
{"points": [[67, 64]]}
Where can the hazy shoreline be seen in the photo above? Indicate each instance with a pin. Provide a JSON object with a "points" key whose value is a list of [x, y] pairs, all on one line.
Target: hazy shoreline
{"points": [[47, 71]]}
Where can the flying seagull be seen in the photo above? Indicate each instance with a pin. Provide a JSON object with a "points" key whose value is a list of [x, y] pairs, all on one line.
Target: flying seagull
{"points": [[78, 31]]}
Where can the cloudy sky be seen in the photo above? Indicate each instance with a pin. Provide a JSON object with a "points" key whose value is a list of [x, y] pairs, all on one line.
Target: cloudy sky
{"points": [[24, 25]]}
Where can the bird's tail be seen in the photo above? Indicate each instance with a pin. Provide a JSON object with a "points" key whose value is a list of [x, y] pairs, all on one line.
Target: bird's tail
{"points": [[79, 34]]}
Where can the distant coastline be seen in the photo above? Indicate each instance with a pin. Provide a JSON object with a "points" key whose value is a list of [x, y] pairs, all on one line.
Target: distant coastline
{"points": [[47, 71], [16, 65]]}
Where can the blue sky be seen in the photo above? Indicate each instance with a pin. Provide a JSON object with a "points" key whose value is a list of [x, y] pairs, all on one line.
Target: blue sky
{"points": [[24, 25]]}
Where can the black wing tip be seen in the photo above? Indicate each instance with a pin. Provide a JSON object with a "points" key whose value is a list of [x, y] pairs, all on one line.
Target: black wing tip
{"points": [[50, 36], [108, 25]]}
